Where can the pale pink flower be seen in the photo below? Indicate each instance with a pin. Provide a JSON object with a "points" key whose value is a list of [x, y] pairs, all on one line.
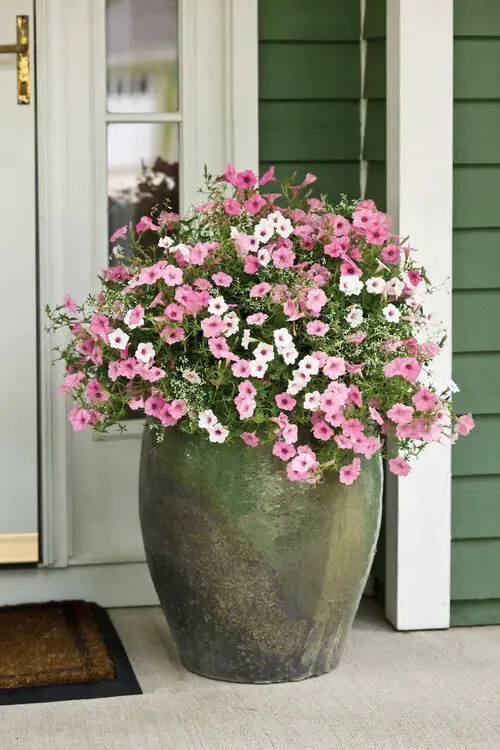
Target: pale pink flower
{"points": [[70, 381], [352, 427], [219, 348], [79, 418], [154, 405], [406, 367], [375, 415], [316, 299], [136, 402], [174, 312], [145, 223], [246, 388], [317, 328], [177, 409], [172, 275], [173, 335], [222, 279], [399, 466], [202, 284], [260, 290], [69, 303], [135, 318], [321, 431], [354, 395], [128, 368], [283, 450], [348, 474], [285, 401], [334, 368], [400, 413], [213, 326], [302, 463], [250, 438], [290, 433], [241, 368], [267, 176], [245, 406], [121, 232], [283, 257], [356, 338], [424, 399], [465, 424], [251, 264], [256, 319], [100, 325]]}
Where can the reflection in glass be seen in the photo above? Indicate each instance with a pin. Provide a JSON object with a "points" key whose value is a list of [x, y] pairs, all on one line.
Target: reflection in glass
{"points": [[143, 172], [142, 55]]}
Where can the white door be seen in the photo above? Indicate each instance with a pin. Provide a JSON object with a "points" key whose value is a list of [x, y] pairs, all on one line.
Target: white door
{"points": [[18, 294]]}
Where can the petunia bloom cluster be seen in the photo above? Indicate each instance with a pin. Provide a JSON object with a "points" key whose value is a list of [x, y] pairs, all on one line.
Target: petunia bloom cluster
{"points": [[269, 317]]}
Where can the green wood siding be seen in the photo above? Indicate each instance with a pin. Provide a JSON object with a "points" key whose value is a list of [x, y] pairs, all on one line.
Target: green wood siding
{"points": [[309, 91], [476, 313], [374, 143]]}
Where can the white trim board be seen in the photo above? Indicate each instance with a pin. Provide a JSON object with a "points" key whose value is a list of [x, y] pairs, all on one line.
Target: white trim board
{"points": [[419, 197], [115, 585]]}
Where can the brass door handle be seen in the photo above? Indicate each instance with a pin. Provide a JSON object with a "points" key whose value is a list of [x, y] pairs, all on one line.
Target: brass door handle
{"points": [[21, 49]]}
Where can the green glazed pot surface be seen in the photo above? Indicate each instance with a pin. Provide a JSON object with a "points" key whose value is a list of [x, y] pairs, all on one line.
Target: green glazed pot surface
{"points": [[259, 577]]}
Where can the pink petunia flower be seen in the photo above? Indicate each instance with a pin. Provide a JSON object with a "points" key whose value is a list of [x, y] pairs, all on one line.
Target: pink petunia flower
{"points": [[70, 303], [316, 299], [256, 319], [285, 401], [424, 399], [79, 418], [121, 232], [406, 367], [254, 204], [251, 264], [172, 275], [465, 424], [245, 406], [173, 335], [241, 368], [348, 474], [317, 328], [250, 438], [232, 206], [322, 431], [219, 348], [174, 312], [135, 318], [283, 450], [399, 466], [247, 389], [213, 326], [283, 257], [334, 368], [391, 254], [222, 279], [246, 179], [260, 290], [290, 433], [400, 413], [267, 176]]}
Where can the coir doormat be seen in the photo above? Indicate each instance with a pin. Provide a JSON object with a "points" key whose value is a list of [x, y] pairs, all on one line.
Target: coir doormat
{"points": [[61, 651]]}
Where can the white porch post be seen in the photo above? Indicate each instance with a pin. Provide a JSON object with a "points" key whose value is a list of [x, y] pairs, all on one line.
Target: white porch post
{"points": [[419, 197]]}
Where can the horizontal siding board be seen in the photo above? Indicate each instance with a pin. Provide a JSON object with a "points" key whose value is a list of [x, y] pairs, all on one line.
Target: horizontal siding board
{"points": [[475, 508], [474, 612], [375, 19], [476, 198], [333, 179], [478, 454], [476, 318], [374, 147], [474, 569], [476, 132], [478, 18], [476, 259], [302, 131], [309, 71], [375, 86], [376, 181], [478, 376], [321, 20], [476, 68]]}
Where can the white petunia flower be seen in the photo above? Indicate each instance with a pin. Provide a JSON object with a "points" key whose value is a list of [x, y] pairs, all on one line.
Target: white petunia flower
{"points": [[217, 306], [118, 339], [375, 285], [232, 322], [184, 250], [355, 317], [264, 352], [284, 228], [350, 285], [289, 354], [129, 317], [218, 434], [207, 419], [394, 287], [246, 338], [258, 368], [275, 218], [282, 339], [264, 256], [145, 352], [293, 387], [165, 242], [309, 364], [452, 386], [301, 377], [312, 400], [235, 232], [391, 313], [263, 231]]}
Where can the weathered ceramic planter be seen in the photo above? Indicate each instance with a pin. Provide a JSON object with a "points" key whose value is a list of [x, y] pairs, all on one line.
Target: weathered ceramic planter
{"points": [[259, 577]]}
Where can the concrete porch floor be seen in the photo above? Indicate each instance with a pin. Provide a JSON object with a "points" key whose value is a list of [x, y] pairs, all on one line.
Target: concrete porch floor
{"points": [[433, 690]]}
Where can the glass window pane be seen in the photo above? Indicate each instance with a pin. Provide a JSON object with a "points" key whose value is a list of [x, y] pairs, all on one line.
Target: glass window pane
{"points": [[142, 55], [143, 172]]}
